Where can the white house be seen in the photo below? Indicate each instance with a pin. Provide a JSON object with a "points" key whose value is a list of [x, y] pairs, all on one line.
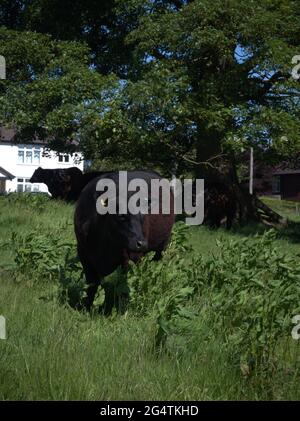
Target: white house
{"points": [[18, 163]]}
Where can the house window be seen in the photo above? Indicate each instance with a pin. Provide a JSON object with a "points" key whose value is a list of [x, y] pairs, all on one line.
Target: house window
{"points": [[64, 158], [276, 184], [23, 185], [29, 155]]}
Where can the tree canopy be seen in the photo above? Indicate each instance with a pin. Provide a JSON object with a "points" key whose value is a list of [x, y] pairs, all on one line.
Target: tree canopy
{"points": [[173, 84]]}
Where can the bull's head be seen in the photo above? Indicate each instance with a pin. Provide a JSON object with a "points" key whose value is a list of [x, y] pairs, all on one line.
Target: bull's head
{"points": [[127, 230], [38, 176]]}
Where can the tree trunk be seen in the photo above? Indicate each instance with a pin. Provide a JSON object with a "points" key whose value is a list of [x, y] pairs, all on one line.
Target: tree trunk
{"points": [[240, 207]]}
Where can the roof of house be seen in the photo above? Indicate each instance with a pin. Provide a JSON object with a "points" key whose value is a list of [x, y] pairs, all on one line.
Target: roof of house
{"points": [[287, 172], [8, 136], [6, 174]]}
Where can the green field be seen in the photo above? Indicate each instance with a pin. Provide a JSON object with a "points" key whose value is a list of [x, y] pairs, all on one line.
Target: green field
{"points": [[55, 352]]}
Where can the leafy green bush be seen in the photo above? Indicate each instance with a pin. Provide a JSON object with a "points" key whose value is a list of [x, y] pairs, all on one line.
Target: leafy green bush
{"points": [[37, 255], [150, 279], [249, 290], [254, 291], [43, 257], [72, 285], [161, 288]]}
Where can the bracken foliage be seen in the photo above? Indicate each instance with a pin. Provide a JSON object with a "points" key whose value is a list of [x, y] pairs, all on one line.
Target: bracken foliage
{"points": [[249, 290]]}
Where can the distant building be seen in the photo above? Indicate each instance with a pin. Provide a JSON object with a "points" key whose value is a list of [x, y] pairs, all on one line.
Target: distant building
{"points": [[280, 182], [19, 161], [286, 184]]}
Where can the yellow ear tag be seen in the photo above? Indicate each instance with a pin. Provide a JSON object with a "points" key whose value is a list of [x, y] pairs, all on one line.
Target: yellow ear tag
{"points": [[104, 202]]}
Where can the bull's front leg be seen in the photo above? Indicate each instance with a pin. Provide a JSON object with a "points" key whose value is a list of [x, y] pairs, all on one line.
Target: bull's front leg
{"points": [[116, 293], [90, 295]]}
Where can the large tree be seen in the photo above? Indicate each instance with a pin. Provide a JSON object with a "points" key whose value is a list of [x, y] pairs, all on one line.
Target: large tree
{"points": [[51, 88], [216, 76], [197, 80]]}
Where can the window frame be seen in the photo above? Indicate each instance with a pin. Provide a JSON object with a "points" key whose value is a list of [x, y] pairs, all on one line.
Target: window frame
{"points": [[65, 158], [33, 187], [30, 151]]}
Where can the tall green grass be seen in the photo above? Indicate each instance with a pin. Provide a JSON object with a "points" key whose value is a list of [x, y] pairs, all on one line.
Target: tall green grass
{"points": [[55, 352]]}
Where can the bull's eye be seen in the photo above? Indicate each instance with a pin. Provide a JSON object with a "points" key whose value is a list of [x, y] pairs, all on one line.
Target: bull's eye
{"points": [[104, 202]]}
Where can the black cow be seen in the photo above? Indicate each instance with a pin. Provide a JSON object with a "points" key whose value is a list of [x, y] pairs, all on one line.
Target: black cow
{"points": [[108, 241], [65, 184]]}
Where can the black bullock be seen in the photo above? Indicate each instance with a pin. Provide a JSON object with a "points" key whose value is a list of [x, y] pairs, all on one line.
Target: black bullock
{"points": [[64, 183], [111, 240]]}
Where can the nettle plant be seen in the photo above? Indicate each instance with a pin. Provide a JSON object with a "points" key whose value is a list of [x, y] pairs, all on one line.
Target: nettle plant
{"points": [[72, 286], [254, 294], [250, 289], [45, 257], [38, 256], [162, 288]]}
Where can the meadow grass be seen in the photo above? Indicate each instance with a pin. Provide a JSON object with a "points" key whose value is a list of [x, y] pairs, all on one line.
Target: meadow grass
{"points": [[53, 352]]}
